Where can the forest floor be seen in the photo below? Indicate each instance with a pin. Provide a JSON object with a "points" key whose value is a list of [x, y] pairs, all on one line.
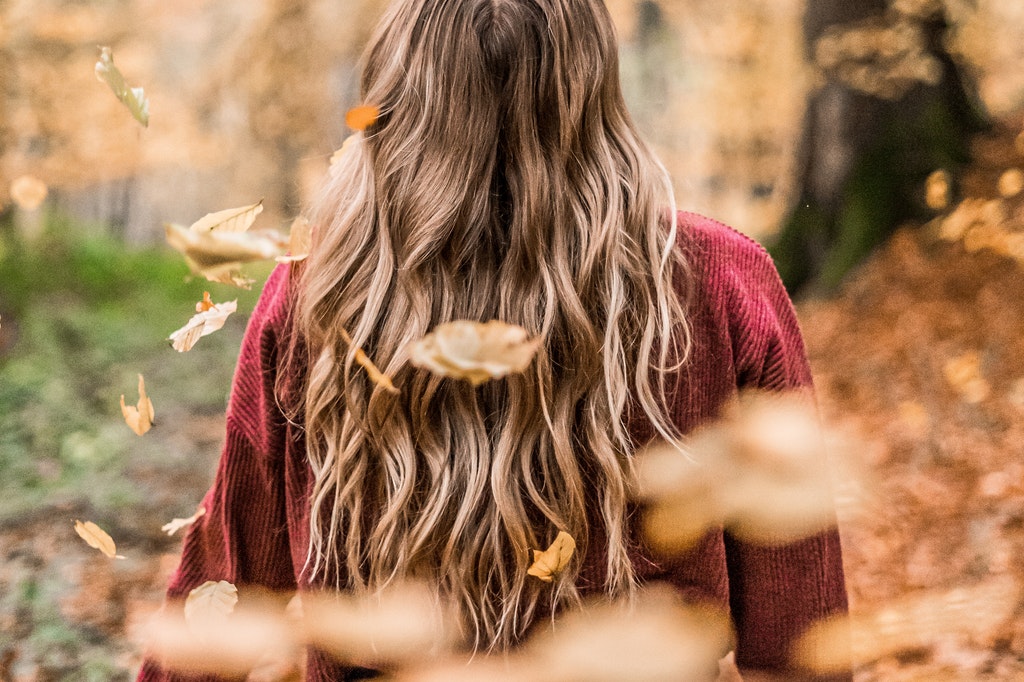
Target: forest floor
{"points": [[919, 367]]}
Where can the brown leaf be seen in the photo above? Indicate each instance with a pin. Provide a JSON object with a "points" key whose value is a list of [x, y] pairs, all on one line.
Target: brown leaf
{"points": [[299, 240], [362, 117], [475, 351], [140, 417], [28, 192], [97, 537], [363, 360], [175, 525], [210, 318], [211, 602], [554, 559]]}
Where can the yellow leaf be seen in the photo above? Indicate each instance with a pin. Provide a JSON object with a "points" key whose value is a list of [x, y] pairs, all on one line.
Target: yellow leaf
{"points": [[97, 537], [210, 318], [299, 241], [139, 418], [211, 602], [177, 524], [552, 560], [28, 192], [133, 98], [229, 220], [362, 117], [363, 360], [475, 351]]}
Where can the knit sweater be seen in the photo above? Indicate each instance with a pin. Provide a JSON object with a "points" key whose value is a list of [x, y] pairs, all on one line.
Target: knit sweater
{"points": [[745, 335]]}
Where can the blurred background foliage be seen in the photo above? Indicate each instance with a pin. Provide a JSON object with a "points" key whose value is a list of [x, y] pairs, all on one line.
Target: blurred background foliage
{"points": [[809, 124]]}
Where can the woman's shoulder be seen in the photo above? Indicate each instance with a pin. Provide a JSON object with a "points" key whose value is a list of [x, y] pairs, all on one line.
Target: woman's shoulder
{"points": [[274, 307], [716, 246]]}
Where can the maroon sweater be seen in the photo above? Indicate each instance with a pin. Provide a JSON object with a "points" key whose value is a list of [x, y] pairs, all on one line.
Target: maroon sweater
{"points": [[745, 335]]}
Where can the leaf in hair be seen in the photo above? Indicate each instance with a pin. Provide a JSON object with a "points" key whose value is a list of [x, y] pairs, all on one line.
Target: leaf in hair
{"points": [[140, 417], [362, 117], [363, 360], [475, 351], [554, 559]]}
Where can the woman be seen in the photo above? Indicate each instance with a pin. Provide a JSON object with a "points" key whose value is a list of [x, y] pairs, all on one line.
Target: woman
{"points": [[502, 180]]}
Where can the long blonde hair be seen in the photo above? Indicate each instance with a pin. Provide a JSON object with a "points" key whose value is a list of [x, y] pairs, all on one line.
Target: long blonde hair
{"points": [[503, 179]]}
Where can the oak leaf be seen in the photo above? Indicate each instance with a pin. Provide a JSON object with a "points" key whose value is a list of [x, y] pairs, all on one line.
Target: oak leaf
{"points": [[209, 318], [140, 417], [554, 559], [475, 351], [97, 537], [133, 98]]}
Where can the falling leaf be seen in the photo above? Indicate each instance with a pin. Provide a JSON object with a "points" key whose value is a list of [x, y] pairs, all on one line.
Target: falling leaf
{"points": [[28, 192], [475, 351], [229, 220], [299, 240], [139, 418], [1011, 183], [209, 318], [211, 602], [554, 559], [362, 117], [937, 190], [363, 360], [98, 538], [133, 98], [219, 243], [177, 524]]}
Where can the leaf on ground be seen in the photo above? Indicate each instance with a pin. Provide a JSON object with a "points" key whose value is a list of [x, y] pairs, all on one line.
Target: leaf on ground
{"points": [[97, 537], [28, 192], [362, 117], [554, 559], [209, 318], [299, 241], [475, 351], [211, 602], [133, 98], [175, 525], [140, 417]]}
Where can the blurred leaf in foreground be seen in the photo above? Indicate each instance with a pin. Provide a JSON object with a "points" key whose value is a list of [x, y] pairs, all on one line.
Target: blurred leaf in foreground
{"points": [[140, 417], [133, 98], [210, 603], [98, 538], [209, 318], [28, 192], [362, 117]]}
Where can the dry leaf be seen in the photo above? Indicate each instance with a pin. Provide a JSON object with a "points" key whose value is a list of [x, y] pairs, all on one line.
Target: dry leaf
{"points": [[1011, 183], [404, 623], [554, 559], [937, 190], [212, 602], [218, 244], [363, 360], [209, 318], [225, 647], [299, 240], [345, 146], [98, 538], [362, 117], [177, 524], [139, 418], [28, 192], [475, 351], [907, 624], [133, 98]]}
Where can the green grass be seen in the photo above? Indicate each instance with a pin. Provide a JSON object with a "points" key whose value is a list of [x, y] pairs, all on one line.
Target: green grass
{"points": [[88, 316]]}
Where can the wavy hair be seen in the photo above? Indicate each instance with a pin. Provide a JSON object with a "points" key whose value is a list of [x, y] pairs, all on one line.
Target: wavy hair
{"points": [[503, 179]]}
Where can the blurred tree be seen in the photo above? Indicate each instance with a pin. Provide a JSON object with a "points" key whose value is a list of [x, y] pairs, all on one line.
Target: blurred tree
{"points": [[893, 107]]}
